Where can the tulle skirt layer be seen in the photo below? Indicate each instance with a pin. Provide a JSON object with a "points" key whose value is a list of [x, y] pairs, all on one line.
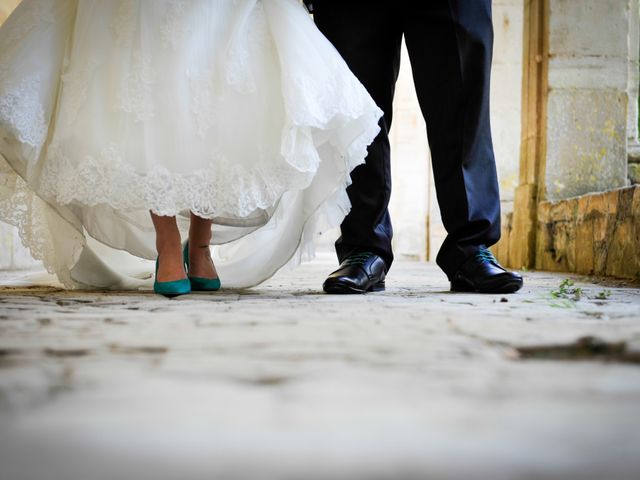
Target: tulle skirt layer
{"points": [[239, 111]]}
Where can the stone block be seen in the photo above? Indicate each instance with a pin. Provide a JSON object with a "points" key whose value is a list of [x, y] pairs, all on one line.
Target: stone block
{"points": [[584, 237], [593, 234], [601, 207], [544, 238], [634, 173], [624, 203], [586, 143], [623, 258], [635, 208], [545, 249], [588, 36], [556, 241], [635, 205], [544, 211]]}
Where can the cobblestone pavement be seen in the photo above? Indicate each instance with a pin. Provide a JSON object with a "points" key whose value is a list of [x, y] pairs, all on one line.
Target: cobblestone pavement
{"points": [[283, 382]]}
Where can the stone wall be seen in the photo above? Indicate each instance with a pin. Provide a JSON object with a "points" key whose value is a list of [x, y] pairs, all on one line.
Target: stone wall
{"points": [[590, 48], [591, 234], [579, 133]]}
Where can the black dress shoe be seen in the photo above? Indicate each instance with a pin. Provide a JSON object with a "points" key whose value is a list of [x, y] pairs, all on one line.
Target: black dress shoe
{"points": [[358, 273], [483, 274]]}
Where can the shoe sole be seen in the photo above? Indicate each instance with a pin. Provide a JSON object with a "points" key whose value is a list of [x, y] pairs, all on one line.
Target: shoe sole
{"points": [[511, 286], [172, 295], [344, 289]]}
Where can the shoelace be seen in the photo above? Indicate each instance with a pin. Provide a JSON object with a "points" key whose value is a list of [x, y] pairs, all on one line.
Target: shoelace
{"points": [[357, 258], [485, 255]]}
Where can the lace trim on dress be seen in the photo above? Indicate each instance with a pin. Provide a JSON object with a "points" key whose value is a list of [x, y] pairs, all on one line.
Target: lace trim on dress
{"points": [[22, 114], [222, 189], [34, 220], [322, 102]]}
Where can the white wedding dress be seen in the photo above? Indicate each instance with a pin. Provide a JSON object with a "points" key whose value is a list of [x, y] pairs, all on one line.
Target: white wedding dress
{"points": [[237, 110]]}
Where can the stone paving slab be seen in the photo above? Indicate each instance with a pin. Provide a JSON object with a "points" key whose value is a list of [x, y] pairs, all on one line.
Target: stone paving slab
{"points": [[284, 382]]}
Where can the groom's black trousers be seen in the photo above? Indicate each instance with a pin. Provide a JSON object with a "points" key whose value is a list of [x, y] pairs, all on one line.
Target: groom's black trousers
{"points": [[450, 46]]}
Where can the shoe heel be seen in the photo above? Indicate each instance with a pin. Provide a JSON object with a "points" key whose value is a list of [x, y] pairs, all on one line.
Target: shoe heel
{"points": [[459, 285], [378, 287], [171, 289], [205, 284], [199, 284], [185, 257]]}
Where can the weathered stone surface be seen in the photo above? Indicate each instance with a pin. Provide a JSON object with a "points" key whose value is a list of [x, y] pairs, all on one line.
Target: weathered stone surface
{"points": [[584, 236], [594, 234], [633, 81], [592, 80], [586, 145], [588, 42], [634, 173], [282, 381], [579, 113]]}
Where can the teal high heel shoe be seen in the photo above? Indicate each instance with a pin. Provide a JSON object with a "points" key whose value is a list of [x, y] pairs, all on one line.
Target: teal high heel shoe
{"points": [[199, 284], [171, 289]]}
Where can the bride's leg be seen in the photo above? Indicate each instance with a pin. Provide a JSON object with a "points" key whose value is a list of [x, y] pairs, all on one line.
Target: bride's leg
{"points": [[200, 263], [170, 266]]}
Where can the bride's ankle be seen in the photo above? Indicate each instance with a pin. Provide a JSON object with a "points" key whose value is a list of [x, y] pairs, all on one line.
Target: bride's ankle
{"points": [[199, 248], [169, 248], [200, 261], [170, 265]]}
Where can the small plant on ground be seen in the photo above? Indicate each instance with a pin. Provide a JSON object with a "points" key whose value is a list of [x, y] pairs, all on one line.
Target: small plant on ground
{"points": [[566, 294], [603, 295], [568, 290]]}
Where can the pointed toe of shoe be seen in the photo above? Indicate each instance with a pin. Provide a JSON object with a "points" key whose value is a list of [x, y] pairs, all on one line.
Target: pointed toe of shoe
{"points": [[172, 289], [205, 284], [482, 273], [341, 285], [360, 273]]}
